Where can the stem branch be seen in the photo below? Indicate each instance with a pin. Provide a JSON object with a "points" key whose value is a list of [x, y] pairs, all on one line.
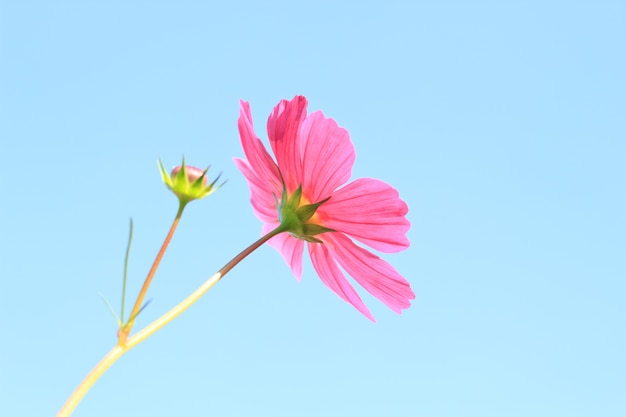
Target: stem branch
{"points": [[125, 330], [149, 330]]}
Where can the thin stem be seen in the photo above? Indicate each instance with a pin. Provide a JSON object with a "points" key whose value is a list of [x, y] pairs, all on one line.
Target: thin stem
{"points": [[153, 327], [125, 330], [130, 239], [230, 265], [159, 323]]}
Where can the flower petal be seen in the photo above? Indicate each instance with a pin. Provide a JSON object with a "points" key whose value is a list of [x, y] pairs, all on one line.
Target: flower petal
{"points": [[258, 158], [333, 278], [371, 212], [282, 130], [327, 156], [261, 192], [378, 277], [289, 247]]}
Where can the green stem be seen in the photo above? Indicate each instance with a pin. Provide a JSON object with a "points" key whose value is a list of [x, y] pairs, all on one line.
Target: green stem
{"points": [[119, 350], [124, 331], [130, 239], [230, 265]]}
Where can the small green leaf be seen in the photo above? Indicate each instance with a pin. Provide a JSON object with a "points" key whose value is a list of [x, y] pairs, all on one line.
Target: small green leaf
{"points": [[131, 319], [117, 319]]}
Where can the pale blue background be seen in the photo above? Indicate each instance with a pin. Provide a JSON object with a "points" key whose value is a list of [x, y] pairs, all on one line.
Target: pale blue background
{"points": [[502, 124]]}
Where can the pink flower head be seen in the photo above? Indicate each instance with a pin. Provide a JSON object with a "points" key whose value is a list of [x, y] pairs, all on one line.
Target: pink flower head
{"points": [[314, 159]]}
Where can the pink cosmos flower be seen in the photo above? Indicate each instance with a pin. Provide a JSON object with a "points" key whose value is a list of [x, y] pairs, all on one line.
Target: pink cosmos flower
{"points": [[314, 157]]}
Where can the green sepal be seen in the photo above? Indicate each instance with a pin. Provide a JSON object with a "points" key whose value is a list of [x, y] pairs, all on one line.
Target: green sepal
{"points": [[293, 217], [315, 229], [165, 177], [309, 239], [296, 197], [185, 189], [182, 174], [306, 212]]}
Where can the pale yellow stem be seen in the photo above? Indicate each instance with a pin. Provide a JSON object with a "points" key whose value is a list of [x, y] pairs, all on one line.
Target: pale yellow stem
{"points": [[131, 342], [150, 329], [90, 379], [125, 344]]}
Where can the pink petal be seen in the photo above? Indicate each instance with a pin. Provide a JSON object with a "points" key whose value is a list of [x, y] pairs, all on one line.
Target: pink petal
{"points": [[289, 247], [378, 277], [327, 156], [282, 130], [259, 159], [371, 212], [334, 279], [261, 192]]}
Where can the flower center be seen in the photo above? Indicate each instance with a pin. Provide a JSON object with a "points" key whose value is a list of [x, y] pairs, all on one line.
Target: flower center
{"points": [[315, 218], [299, 216]]}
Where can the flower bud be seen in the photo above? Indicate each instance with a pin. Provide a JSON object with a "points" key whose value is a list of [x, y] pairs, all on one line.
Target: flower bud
{"points": [[193, 173], [188, 182]]}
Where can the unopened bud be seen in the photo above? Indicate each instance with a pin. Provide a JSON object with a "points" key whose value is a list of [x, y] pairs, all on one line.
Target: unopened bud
{"points": [[188, 182]]}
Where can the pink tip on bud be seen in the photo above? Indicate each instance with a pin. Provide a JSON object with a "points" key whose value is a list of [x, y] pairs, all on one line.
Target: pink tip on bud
{"points": [[193, 173], [188, 182]]}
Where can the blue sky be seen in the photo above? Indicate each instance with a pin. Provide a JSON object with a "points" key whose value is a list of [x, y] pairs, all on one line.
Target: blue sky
{"points": [[500, 123]]}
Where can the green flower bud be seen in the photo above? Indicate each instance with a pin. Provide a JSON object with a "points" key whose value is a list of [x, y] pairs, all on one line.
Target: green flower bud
{"points": [[188, 182]]}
